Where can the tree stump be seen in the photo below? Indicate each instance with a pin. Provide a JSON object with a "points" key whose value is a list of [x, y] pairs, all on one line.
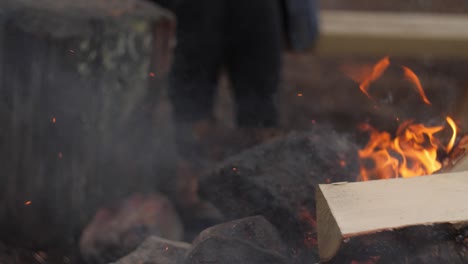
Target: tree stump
{"points": [[75, 109]]}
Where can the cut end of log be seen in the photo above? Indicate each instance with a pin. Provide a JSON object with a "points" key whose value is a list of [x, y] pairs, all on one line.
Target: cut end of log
{"points": [[350, 215], [328, 233]]}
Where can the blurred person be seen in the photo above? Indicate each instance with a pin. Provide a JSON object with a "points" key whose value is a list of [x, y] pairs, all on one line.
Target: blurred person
{"points": [[245, 38]]}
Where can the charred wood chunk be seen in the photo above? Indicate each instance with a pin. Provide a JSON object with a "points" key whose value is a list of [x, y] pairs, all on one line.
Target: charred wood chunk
{"points": [[278, 179], [118, 230], [156, 250], [249, 240]]}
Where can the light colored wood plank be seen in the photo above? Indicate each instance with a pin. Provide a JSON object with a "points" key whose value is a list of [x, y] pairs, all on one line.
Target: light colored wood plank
{"points": [[353, 209], [383, 33]]}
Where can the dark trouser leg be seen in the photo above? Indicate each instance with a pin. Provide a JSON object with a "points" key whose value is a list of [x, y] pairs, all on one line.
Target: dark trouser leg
{"points": [[254, 59], [193, 78], [197, 59], [197, 63]]}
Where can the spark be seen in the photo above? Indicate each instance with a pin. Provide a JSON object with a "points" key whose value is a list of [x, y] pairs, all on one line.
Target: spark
{"points": [[342, 163]]}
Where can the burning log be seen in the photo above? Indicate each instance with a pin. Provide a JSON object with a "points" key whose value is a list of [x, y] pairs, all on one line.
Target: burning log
{"points": [[76, 112], [415, 220]]}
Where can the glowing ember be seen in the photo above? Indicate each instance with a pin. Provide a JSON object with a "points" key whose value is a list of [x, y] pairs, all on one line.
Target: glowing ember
{"points": [[299, 94], [310, 238], [306, 216], [152, 74], [40, 257], [412, 152], [342, 163], [371, 260], [54, 120], [27, 203], [411, 76]]}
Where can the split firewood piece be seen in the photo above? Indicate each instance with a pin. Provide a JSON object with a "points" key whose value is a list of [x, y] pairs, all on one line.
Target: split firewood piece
{"points": [[421, 219]]}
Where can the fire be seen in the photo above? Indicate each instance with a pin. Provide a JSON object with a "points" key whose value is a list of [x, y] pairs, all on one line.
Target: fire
{"points": [[375, 74], [414, 148], [365, 75], [454, 134], [412, 77], [412, 152]]}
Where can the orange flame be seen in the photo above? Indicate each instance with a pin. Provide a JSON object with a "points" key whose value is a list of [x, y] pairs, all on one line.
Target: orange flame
{"points": [[454, 134], [413, 151], [377, 71], [365, 75], [412, 77]]}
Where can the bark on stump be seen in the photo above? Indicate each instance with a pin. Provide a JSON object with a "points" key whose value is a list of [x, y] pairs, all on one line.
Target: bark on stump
{"points": [[75, 110]]}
